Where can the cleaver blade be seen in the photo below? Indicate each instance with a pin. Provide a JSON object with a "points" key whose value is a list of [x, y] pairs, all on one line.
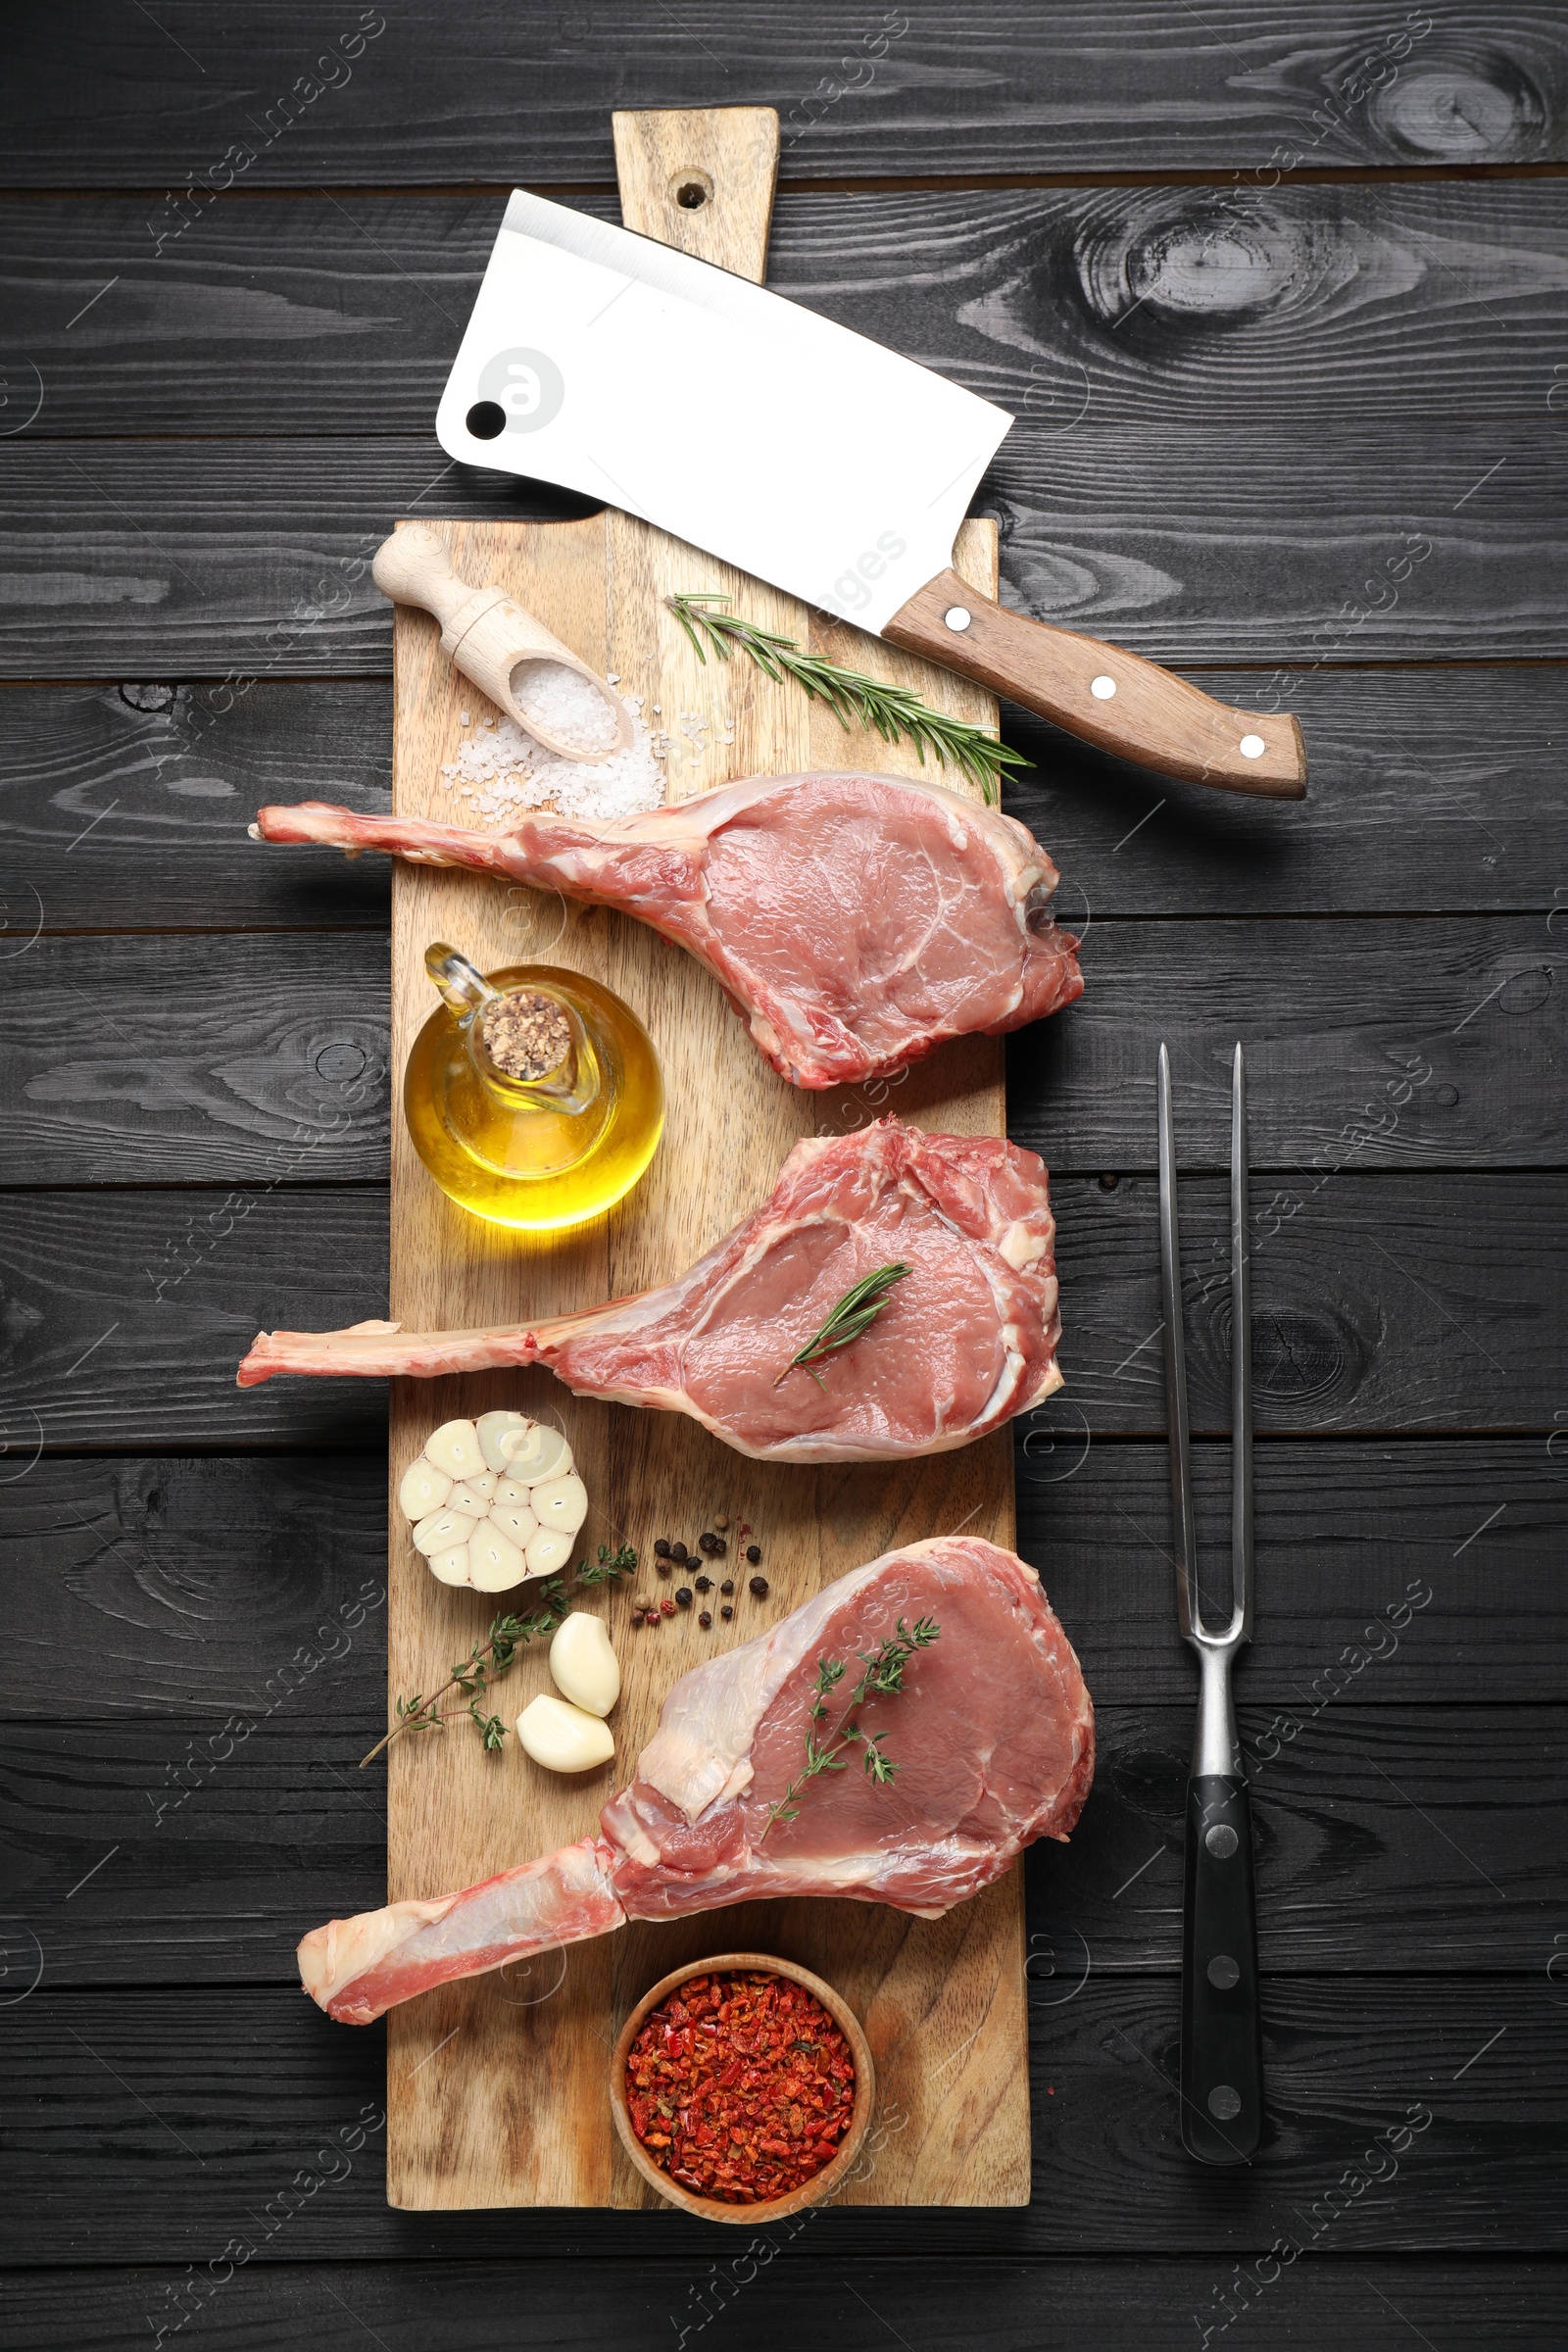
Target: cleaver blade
{"points": [[803, 453]]}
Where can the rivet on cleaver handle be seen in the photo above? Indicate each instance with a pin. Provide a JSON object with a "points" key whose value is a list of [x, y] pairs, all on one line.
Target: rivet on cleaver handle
{"points": [[1113, 699]]}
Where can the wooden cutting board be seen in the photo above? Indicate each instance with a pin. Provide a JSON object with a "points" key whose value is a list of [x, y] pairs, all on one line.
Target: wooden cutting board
{"points": [[497, 2088]]}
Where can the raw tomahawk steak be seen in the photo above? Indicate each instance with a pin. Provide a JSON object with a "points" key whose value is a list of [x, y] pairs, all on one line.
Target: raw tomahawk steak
{"points": [[853, 921], [993, 1736], [967, 1338]]}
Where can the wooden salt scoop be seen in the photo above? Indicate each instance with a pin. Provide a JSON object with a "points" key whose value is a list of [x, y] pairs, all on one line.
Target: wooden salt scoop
{"points": [[487, 633]]}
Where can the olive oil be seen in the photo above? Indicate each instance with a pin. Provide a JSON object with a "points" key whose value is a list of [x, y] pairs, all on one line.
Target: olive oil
{"points": [[533, 1153]]}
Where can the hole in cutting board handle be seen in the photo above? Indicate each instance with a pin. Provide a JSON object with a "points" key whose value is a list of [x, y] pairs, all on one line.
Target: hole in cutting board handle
{"points": [[691, 190]]}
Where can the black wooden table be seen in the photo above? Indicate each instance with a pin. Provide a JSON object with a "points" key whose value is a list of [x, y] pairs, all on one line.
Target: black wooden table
{"points": [[1277, 293]]}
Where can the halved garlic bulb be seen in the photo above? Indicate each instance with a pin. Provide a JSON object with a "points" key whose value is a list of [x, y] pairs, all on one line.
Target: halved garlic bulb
{"points": [[495, 1502], [562, 1737], [584, 1666]]}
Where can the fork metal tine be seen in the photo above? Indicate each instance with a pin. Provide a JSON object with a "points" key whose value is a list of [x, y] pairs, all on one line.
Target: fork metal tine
{"points": [[1240, 1368], [1181, 1475]]}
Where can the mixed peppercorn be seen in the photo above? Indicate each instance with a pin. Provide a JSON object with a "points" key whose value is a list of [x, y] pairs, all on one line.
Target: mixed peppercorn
{"points": [[740, 2086], [711, 1546]]}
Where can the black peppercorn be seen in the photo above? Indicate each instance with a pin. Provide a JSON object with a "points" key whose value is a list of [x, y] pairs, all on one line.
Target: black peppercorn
{"points": [[683, 1597], [662, 1548], [703, 1618], [705, 1584], [708, 1540], [726, 1612], [728, 1586], [678, 1552], [754, 1553], [758, 1585]]}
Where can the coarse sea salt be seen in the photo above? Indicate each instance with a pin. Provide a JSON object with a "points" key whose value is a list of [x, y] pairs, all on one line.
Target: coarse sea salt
{"points": [[565, 704], [500, 775]]}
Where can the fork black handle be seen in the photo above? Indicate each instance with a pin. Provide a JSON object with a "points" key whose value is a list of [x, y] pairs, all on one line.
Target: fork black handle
{"points": [[1222, 2051]]}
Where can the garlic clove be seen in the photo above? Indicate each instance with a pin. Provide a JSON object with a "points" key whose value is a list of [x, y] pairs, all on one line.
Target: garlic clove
{"points": [[474, 1493], [452, 1565], [454, 1449], [491, 1428], [425, 1489], [495, 1563], [583, 1664], [561, 1502], [442, 1530], [509, 1489], [534, 1452], [514, 1520], [563, 1738], [548, 1550]]}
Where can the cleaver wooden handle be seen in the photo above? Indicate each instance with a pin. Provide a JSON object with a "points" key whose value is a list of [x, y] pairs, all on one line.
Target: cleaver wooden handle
{"points": [[1113, 699]]}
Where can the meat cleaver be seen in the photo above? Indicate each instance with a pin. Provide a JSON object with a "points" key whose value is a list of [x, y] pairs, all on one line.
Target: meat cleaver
{"points": [[804, 455]]}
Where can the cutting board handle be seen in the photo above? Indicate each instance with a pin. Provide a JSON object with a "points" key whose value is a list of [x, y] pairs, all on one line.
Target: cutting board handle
{"points": [[1101, 694], [702, 180]]}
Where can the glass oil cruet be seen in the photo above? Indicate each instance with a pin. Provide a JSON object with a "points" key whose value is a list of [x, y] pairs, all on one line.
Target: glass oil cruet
{"points": [[533, 1095]]}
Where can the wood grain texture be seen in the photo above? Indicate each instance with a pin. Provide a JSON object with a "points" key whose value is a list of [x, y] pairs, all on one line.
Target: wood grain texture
{"points": [[1386, 1044], [1389, 1840], [1097, 2306], [1266, 542], [701, 181], [523, 92], [928, 1991], [204, 1573], [107, 2086], [1450, 1325], [1340, 303], [1432, 791]]}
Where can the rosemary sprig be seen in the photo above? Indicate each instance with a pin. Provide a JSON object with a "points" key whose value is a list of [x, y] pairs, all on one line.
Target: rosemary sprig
{"points": [[854, 1314], [493, 1655], [883, 1679], [894, 712]]}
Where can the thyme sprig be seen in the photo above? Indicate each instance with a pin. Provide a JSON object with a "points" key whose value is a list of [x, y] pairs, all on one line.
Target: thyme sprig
{"points": [[894, 712], [854, 1314], [883, 1679], [493, 1655]]}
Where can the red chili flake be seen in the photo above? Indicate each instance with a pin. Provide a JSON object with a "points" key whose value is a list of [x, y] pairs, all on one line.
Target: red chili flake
{"points": [[740, 2086]]}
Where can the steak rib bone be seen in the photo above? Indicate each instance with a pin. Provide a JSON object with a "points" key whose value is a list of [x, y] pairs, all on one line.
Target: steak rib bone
{"points": [[854, 922], [992, 1736], [964, 1341]]}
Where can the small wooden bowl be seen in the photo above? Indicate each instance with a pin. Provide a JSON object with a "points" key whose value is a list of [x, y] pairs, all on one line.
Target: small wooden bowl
{"points": [[768, 2209]]}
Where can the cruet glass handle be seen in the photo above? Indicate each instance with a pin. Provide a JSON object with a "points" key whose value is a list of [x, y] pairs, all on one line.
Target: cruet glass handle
{"points": [[462, 987]]}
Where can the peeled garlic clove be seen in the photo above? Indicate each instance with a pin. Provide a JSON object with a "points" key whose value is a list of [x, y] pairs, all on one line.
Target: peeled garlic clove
{"points": [[548, 1550], [561, 1502], [534, 1452], [451, 1566], [454, 1449], [584, 1666], [442, 1530], [425, 1489], [516, 1521], [563, 1738], [509, 1489], [474, 1493], [495, 1563]]}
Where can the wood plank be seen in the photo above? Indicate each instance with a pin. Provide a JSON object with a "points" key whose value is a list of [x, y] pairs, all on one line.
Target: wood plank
{"points": [[251, 2081], [1431, 791], [1386, 1044], [1339, 302], [525, 92], [1354, 1336], [1269, 543], [127, 1060], [451, 1821], [199, 1575], [1097, 2306], [1391, 1840]]}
